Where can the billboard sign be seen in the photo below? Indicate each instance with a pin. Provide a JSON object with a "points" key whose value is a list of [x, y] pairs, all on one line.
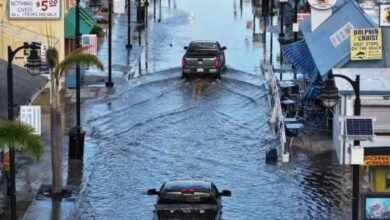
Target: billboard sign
{"points": [[376, 206], [366, 44], [34, 9]]}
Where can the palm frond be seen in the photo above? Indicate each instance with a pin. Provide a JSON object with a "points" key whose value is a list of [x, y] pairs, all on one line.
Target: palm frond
{"points": [[77, 57], [20, 136]]}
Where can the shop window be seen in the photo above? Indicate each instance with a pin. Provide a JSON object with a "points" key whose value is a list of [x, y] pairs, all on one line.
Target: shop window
{"points": [[387, 183]]}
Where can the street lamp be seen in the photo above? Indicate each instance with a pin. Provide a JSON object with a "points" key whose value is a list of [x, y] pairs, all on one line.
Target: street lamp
{"points": [[329, 99], [33, 66], [76, 134], [128, 45]]}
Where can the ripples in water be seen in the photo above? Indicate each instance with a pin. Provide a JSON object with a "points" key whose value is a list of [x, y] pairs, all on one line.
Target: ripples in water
{"points": [[158, 131]]}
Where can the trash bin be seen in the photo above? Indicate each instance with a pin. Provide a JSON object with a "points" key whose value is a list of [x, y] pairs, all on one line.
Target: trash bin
{"points": [[76, 143]]}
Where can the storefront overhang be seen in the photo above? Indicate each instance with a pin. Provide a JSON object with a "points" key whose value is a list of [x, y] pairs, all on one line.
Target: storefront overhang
{"points": [[87, 22], [298, 54], [26, 87]]}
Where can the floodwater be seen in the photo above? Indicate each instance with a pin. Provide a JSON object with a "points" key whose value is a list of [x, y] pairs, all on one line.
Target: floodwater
{"points": [[158, 127]]}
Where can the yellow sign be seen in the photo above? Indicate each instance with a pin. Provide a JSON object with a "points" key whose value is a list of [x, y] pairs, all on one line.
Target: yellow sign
{"points": [[377, 160], [366, 44]]}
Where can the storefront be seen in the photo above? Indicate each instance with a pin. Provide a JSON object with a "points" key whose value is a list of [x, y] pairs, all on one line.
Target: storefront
{"points": [[378, 162]]}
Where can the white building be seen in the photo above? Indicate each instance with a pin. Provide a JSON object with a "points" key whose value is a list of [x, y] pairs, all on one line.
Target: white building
{"points": [[375, 103]]}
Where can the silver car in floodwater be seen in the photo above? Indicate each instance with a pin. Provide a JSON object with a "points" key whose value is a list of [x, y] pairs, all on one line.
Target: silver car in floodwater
{"points": [[204, 58]]}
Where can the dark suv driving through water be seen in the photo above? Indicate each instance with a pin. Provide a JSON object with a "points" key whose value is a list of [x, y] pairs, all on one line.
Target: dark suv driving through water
{"points": [[204, 58], [189, 200]]}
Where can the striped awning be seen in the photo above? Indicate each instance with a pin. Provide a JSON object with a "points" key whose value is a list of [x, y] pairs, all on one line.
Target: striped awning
{"points": [[298, 54], [87, 22]]}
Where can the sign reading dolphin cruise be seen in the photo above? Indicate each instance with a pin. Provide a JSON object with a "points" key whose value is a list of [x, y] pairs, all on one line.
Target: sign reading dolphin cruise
{"points": [[366, 44], [34, 9]]}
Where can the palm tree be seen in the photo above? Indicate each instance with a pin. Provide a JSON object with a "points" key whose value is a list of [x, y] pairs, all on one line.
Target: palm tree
{"points": [[20, 136], [57, 69]]}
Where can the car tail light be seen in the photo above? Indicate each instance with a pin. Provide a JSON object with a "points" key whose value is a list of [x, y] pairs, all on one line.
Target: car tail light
{"points": [[183, 62], [217, 62]]}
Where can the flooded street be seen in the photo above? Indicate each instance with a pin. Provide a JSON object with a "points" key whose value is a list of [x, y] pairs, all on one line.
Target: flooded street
{"points": [[158, 127]]}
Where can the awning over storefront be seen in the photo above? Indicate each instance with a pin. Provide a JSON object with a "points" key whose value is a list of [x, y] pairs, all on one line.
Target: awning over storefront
{"points": [[87, 22], [26, 87], [298, 54]]}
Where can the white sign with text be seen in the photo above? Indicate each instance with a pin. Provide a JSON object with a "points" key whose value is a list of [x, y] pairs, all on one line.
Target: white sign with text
{"points": [[34, 9]]}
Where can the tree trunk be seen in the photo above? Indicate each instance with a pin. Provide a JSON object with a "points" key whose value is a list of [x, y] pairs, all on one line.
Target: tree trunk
{"points": [[56, 140]]}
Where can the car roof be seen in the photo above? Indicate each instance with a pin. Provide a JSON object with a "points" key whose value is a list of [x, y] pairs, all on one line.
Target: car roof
{"points": [[199, 42], [204, 41], [178, 185]]}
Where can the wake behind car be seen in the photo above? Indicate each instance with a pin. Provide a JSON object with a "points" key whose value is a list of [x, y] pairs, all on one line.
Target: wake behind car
{"points": [[188, 199], [203, 58]]}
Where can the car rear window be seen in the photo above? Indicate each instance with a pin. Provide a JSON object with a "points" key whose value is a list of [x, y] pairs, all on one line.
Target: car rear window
{"points": [[184, 198], [203, 48]]}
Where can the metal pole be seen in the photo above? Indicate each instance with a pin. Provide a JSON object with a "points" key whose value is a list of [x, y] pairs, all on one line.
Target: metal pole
{"points": [[154, 9], [128, 45], [12, 187], [271, 33], [76, 135], [10, 95], [77, 39], [159, 11], [109, 83], [355, 167], [281, 34], [296, 19], [254, 24]]}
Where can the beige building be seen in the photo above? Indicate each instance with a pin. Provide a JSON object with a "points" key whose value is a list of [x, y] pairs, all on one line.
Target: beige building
{"points": [[49, 22], [27, 20]]}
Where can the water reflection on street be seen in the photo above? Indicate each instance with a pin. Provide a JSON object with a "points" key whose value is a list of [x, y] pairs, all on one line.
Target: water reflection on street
{"points": [[160, 127]]}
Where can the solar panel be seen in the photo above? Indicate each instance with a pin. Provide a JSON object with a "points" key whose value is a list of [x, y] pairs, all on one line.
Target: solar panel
{"points": [[359, 127]]}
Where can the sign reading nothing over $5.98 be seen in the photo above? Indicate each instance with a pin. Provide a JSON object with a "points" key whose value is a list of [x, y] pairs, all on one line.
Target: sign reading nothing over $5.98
{"points": [[34, 9]]}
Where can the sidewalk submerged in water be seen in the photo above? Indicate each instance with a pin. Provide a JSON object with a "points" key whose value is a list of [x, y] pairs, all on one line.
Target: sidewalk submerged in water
{"points": [[44, 207]]}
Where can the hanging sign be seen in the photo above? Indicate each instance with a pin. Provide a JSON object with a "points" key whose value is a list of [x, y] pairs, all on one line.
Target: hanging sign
{"points": [[34, 9], [377, 160], [384, 15], [119, 6], [322, 4], [31, 115], [366, 44]]}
